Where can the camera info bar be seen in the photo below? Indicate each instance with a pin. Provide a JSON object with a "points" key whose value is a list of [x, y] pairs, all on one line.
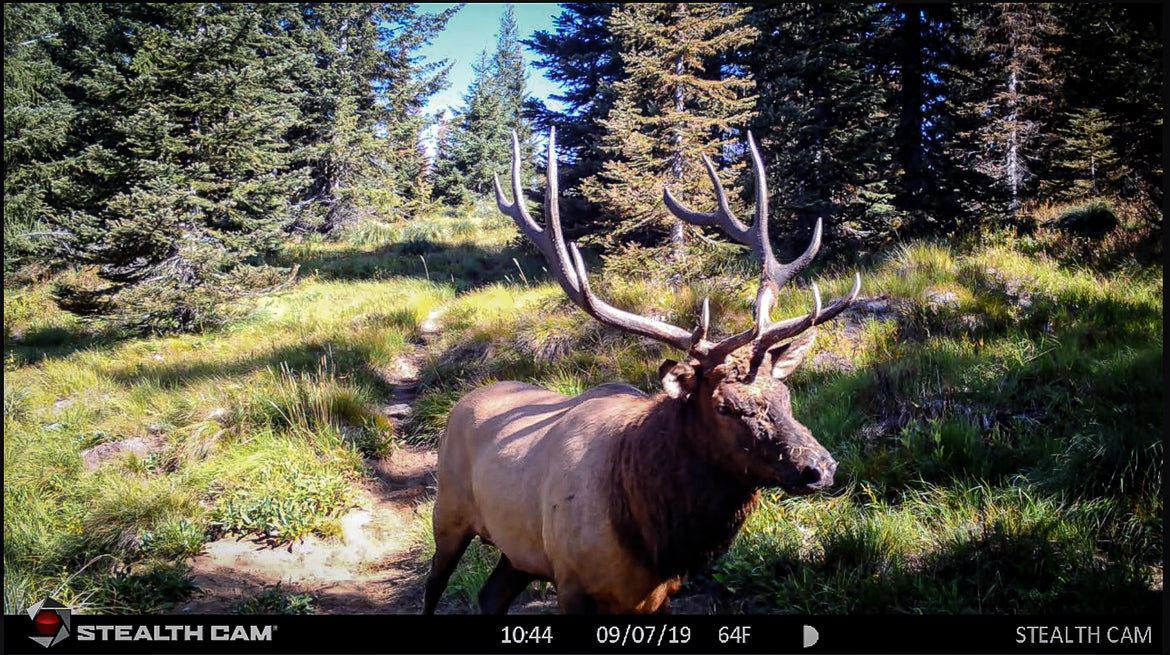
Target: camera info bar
{"points": [[73, 633]]}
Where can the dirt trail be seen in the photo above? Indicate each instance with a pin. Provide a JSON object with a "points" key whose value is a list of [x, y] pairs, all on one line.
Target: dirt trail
{"points": [[374, 566]]}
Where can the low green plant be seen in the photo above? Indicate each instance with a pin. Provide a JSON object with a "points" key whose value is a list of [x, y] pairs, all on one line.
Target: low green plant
{"points": [[277, 600]]}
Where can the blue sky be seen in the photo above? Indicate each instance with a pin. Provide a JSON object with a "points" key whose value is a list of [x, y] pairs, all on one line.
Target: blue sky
{"points": [[472, 30]]}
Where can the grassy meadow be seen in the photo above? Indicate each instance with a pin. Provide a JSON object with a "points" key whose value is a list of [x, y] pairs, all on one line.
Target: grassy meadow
{"points": [[996, 409]]}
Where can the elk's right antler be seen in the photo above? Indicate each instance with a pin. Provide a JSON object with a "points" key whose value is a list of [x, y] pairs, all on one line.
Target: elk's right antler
{"points": [[569, 268], [566, 263]]}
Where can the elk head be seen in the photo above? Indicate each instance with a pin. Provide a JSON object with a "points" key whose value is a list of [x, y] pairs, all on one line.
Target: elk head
{"points": [[733, 387]]}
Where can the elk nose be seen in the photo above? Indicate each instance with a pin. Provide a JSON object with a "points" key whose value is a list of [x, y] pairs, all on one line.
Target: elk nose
{"points": [[819, 473]]}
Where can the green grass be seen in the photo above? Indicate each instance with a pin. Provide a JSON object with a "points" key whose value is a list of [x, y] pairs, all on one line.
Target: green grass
{"points": [[258, 429], [996, 412]]}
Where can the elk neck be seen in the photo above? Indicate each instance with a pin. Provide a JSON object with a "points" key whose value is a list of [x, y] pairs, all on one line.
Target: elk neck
{"points": [[673, 507]]}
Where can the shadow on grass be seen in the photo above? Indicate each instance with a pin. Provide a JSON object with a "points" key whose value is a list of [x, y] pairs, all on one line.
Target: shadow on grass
{"points": [[464, 266], [345, 360], [1001, 570], [51, 343], [1081, 423]]}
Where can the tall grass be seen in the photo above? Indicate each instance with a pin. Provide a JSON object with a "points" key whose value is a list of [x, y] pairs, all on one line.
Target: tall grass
{"points": [[996, 409], [257, 429]]}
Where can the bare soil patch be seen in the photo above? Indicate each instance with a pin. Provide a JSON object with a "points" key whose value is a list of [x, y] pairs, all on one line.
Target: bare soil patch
{"points": [[374, 566]]}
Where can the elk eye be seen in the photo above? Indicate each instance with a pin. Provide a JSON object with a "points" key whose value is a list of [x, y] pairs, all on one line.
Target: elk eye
{"points": [[722, 409]]}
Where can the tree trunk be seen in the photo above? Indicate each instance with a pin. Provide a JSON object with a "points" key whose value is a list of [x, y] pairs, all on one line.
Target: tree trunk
{"points": [[677, 231]]}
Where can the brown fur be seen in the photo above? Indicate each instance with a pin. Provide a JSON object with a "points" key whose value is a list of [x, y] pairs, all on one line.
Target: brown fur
{"points": [[671, 503]]}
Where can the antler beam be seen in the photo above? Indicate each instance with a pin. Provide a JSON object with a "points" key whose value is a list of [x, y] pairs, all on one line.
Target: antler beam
{"points": [[568, 266]]}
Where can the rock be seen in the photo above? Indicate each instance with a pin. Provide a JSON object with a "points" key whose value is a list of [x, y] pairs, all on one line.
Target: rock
{"points": [[398, 410], [942, 298], [140, 447], [872, 305]]}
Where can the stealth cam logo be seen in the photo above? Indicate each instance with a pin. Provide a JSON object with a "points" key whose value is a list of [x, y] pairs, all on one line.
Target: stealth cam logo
{"points": [[51, 620]]}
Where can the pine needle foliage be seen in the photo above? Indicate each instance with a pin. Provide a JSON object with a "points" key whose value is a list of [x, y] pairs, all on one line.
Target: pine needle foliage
{"points": [[679, 100]]}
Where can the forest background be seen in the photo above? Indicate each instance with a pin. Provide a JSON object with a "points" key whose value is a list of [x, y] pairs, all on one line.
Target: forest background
{"points": [[176, 172]]}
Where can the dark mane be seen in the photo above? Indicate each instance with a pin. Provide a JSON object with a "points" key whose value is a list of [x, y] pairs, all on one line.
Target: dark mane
{"points": [[671, 506]]}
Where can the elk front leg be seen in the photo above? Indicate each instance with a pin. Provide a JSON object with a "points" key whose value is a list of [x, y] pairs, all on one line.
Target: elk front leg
{"points": [[502, 587], [572, 599]]}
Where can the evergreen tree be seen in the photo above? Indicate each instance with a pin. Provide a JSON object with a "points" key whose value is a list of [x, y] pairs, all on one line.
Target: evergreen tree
{"points": [[1019, 37], [675, 103], [582, 59], [1088, 161], [181, 179], [930, 65], [820, 120], [358, 138], [1112, 56], [512, 76], [37, 119], [166, 146], [476, 144]]}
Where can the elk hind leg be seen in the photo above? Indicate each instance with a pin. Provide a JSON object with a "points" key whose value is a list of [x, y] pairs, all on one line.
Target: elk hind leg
{"points": [[502, 587], [449, 547]]}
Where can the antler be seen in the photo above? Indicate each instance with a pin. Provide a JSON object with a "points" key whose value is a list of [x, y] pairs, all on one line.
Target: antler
{"points": [[569, 269], [773, 275]]}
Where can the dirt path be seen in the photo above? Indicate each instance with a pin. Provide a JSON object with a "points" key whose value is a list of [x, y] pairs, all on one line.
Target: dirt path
{"points": [[374, 566]]}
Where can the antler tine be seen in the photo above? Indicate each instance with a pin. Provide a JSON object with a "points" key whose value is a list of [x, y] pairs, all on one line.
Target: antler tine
{"points": [[778, 273], [795, 326], [516, 210], [721, 217], [549, 241], [568, 266]]}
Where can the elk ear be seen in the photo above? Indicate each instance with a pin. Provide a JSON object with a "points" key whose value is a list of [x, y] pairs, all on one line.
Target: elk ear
{"points": [[677, 379], [786, 358]]}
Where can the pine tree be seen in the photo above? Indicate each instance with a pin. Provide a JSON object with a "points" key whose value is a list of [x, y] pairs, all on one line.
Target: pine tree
{"points": [[361, 114], [581, 58], [931, 64], [476, 145], [1020, 39], [1089, 163], [1112, 58], [675, 103], [512, 76], [165, 147], [182, 179], [37, 119], [820, 119]]}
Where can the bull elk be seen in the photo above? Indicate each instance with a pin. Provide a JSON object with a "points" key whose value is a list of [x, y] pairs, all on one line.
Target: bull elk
{"points": [[613, 495]]}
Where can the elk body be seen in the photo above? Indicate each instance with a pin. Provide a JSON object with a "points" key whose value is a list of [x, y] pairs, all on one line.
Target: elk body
{"points": [[613, 495]]}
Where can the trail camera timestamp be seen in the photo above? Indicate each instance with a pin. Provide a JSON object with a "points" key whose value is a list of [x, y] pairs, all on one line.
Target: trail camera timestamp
{"points": [[519, 635]]}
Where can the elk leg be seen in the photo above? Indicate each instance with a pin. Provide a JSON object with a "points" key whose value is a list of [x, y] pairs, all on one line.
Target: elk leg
{"points": [[448, 549], [573, 600], [502, 587]]}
